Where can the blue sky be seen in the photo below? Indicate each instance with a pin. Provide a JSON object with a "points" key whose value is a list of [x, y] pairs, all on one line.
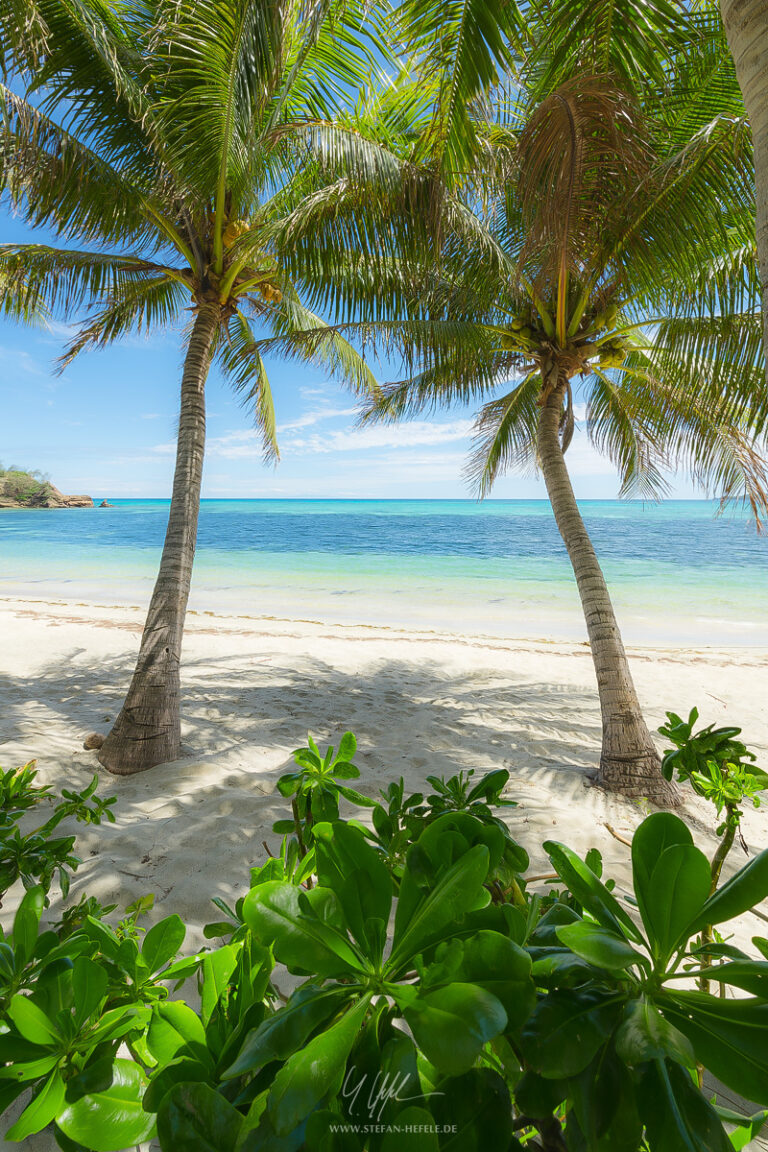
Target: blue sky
{"points": [[106, 427]]}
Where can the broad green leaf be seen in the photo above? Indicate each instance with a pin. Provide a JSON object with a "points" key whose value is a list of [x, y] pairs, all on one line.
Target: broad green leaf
{"points": [[32, 1023], [347, 746], [677, 1116], [598, 945], [41, 1110], [474, 1113], [456, 891], [603, 1115], [417, 1132], [282, 1033], [272, 912], [175, 1030], [590, 892], [323, 1135], [193, 1117], [645, 1034], [728, 1037], [566, 1030], [751, 975], [354, 797], [344, 771], [314, 1072], [451, 1025], [678, 888], [163, 941], [179, 1071], [658, 832], [491, 961], [218, 967], [537, 1096], [26, 922], [89, 986], [743, 891], [26, 1070], [559, 968], [112, 1118], [748, 1127], [181, 969], [359, 877]]}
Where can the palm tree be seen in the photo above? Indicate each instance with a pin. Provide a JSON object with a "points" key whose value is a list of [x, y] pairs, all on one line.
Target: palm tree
{"points": [[165, 141], [746, 26], [600, 257]]}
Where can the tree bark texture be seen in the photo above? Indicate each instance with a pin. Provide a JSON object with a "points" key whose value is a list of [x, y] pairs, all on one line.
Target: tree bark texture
{"points": [[746, 26], [148, 729], [629, 762]]}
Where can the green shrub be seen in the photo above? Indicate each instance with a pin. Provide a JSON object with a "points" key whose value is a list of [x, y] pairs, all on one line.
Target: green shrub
{"points": [[437, 1006], [21, 485]]}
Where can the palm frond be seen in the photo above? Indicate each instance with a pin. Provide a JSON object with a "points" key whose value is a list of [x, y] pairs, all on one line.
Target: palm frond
{"points": [[505, 434], [243, 367], [463, 47], [615, 425], [64, 280], [57, 180]]}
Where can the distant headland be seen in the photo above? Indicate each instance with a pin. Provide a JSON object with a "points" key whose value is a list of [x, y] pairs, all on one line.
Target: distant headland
{"points": [[22, 489]]}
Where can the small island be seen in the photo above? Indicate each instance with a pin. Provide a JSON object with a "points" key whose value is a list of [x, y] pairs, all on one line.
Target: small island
{"points": [[22, 489]]}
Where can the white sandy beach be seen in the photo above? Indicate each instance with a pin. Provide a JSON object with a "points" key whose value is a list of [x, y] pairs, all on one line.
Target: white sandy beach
{"points": [[419, 704]]}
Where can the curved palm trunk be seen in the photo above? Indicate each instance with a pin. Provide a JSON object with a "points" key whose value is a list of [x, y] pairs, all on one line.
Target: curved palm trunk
{"points": [[629, 762], [147, 731], [746, 26]]}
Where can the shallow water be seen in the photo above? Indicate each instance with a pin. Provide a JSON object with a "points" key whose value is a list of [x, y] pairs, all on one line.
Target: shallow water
{"points": [[678, 574]]}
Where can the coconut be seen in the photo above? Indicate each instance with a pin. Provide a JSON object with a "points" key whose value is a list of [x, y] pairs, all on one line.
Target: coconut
{"points": [[233, 231]]}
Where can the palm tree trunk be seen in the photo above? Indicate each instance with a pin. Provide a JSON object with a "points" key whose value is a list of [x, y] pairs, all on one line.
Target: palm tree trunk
{"points": [[148, 729], [629, 763], [746, 26]]}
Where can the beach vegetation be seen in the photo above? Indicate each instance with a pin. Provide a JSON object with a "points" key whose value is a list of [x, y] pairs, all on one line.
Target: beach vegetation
{"points": [[21, 485], [719, 767], [425, 1012], [33, 855], [166, 147]]}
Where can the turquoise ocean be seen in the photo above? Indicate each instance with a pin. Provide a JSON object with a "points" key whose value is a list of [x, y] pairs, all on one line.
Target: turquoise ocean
{"points": [[678, 573]]}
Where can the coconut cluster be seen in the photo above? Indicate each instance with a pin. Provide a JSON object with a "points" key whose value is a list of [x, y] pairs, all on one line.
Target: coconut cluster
{"points": [[525, 335], [270, 292], [233, 231]]}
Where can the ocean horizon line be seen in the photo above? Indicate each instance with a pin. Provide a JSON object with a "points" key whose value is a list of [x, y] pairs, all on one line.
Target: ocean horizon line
{"points": [[423, 500]]}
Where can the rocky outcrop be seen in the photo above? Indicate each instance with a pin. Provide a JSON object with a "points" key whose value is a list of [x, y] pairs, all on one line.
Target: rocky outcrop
{"points": [[50, 497], [106, 504], [47, 496]]}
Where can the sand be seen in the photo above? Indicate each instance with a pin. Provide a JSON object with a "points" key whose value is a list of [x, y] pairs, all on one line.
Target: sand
{"points": [[419, 704]]}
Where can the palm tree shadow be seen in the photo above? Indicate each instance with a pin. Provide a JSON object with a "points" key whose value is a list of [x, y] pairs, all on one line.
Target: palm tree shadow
{"points": [[193, 827]]}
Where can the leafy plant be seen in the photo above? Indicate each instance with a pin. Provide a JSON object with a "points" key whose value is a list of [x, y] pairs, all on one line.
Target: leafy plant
{"points": [[614, 1040], [35, 856], [451, 973], [720, 768], [435, 1011], [314, 790], [402, 819]]}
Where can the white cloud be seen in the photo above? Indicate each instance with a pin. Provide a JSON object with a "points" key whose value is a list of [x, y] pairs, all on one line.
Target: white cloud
{"points": [[17, 360], [415, 433], [314, 417]]}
